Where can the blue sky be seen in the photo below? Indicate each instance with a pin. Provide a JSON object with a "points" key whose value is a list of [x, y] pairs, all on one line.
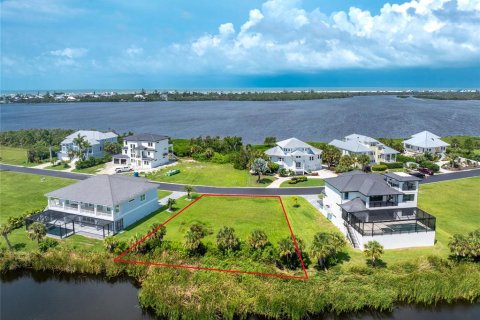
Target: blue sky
{"points": [[57, 44]]}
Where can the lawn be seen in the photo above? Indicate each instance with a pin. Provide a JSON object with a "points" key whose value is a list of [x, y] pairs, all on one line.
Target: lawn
{"points": [[308, 183], [91, 170], [206, 173], [17, 156]]}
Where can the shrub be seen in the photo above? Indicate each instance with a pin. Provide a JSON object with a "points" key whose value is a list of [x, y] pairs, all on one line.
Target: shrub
{"points": [[379, 167], [430, 165], [92, 161], [393, 165], [342, 168], [46, 244], [273, 167], [283, 172], [404, 159]]}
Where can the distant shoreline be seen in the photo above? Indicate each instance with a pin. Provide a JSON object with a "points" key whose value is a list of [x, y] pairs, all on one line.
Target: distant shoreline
{"points": [[146, 96]]}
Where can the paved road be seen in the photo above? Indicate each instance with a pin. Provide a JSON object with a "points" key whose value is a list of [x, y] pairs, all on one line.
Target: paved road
{"points": [[228, 190]]}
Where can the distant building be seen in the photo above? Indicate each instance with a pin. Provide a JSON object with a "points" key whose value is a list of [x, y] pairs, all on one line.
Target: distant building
{"points": [[425, 142], [296, 155], [144, 151], [96, 139], [98, 207], [357, 144], [368, 207]]}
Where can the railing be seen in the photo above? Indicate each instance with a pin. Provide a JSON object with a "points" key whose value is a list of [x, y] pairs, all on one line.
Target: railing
{"points": [[375, 204], [421, 221], [407, 187]]}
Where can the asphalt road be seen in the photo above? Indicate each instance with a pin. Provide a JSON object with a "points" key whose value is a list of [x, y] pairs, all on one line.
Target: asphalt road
{"points": [[229, 190]]}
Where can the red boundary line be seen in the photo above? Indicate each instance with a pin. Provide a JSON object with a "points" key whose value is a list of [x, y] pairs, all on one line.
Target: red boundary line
{"points": [[119, 259]]}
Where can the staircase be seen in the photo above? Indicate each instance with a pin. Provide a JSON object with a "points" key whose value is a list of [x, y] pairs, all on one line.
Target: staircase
{"points": [[351, 236]]}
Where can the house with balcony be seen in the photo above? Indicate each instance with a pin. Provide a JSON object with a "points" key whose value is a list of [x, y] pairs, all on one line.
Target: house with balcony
{"points": [[367, 207], [95, 139], [425, 142], [298, 156], [97, 207], [144, 151], [357, 144]]}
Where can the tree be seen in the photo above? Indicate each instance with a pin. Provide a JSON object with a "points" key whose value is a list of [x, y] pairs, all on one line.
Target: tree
{"points": [[257, 239], [189, 190], [112, 148], [295, 201], [346, 161], [227, 240], [209, 152], [270, 141], [82, 146], [458, 245], [288, 252], [373, 251], [37, 231], [71, 154], [468, 144], [259, 167], [193, 238], [363, 160], [109, 243], [170, 203], [157, 233], [331, 155], [338, 241], [5, 230], [322, 248], [455, 143]]}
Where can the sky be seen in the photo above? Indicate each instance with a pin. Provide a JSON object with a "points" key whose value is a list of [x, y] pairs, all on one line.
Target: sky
{"points": [[202, 44]]}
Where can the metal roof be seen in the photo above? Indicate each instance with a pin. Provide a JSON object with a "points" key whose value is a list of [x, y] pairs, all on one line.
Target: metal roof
{"points": [[350, 145], [149, 137], [426, 139], [93, 137]]}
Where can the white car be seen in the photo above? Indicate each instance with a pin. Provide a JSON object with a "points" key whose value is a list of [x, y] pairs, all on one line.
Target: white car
{"points": [[122, 169]]}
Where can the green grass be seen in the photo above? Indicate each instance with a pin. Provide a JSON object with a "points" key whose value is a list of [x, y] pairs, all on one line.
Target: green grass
{"points": [[205, 173], [17, 156], [91, 170], [162, 194], [58, 167], [308, 183]]}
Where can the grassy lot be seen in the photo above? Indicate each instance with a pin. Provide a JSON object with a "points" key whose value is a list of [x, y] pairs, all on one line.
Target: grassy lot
{"points": [[58, 167], [205, 173], [163, 194], [91, 170], [16, 156], [308, 183]]}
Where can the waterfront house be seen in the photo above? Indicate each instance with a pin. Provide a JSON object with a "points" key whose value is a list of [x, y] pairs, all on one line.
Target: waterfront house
{"points": [[98, 207], [95, 139], [368, 207], [296, 155], [357, 144], [425, 142], [144, 151]]}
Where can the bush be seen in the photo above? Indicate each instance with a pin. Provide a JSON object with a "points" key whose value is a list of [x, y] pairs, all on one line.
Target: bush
{"points": [[393, 165], [273, 167], [379, 167], [298, 179], [430, 165], [92, 161], [404, 159], [283, 172], [342, 168], [46, 244]]}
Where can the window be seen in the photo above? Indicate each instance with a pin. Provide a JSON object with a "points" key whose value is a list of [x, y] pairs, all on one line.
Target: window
{"points": [[298, 157], [376, 198], [280, 159], [142, 197], [345, 195], [131, 200], [119, 225], [312, 158], [145, 162], [117, 209], [150, 144], [408, 197]]}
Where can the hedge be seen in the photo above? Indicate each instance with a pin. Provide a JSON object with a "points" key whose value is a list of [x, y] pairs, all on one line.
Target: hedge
{"points": [[379, 167], [393, 165], [404, 159]]}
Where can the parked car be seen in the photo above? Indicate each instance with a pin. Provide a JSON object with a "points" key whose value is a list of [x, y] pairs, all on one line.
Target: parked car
{"points": [[417, 174], [426, 171], [122, 169]]}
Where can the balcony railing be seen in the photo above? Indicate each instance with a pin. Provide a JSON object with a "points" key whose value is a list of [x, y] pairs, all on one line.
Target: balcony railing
{"points": [[376, 204], [407, 187]]}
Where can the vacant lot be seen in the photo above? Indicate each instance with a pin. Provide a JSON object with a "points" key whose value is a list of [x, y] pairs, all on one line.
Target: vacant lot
{"points": [[308, 183], [205, 173], [16, 156]]}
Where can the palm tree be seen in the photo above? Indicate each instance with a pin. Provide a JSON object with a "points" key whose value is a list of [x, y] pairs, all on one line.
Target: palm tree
{"points": [[110, 243], [189, 190], [286, 250], [209, 152], [338, 241], [259, 166], [295, 201], [322, 248], [227, 240], [458, 245], [71, 154], [193, 238], [373, 251], [5, 230], [257, 239], [170, 203], [80, 141], [37, 231], [362, 160]]}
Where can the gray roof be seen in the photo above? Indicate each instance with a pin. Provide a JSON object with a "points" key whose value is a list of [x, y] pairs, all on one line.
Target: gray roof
{"points": [[426, 139], [93, 137], [355, 205], [402, 178], [361, 138], [350, 145], [150, 137], [387, 150], [293, 143], [107, 190], [120, 156], [368, 184]]}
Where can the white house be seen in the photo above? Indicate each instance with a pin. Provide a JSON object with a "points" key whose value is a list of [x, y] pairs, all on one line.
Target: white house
{"points": [[368, 207], [296, 155], [425, 142], [356, 144], [99, 206], [144, 151], [96, 140]]}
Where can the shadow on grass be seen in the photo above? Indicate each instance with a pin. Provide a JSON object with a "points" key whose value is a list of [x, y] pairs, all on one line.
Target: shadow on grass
{"points": [[19, 246], [264, 181], [342, 257], [379, 263]]}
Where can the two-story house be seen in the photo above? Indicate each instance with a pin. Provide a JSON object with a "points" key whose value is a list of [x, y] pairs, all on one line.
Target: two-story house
{"points": [[296, 155], [368, 207], [144, 151], [96, 141], [98, 207], [425, 142], [357, 144]]}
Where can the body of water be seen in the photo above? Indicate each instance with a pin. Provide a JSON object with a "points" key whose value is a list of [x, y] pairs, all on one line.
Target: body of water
{"points": [[43, 295], [310, 120]]}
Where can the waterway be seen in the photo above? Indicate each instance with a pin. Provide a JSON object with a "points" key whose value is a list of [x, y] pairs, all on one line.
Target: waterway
{"points": [[310, 120]]}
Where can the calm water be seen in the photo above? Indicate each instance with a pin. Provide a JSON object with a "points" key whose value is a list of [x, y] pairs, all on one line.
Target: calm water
{"points": [[39, 295], [318, 120]]}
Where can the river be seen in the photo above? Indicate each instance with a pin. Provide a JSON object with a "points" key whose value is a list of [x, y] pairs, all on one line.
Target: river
{"points": [[310, 120], [43, 295]]}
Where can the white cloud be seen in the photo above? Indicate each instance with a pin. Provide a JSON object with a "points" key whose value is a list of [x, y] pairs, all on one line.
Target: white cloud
{"points": [[37, 9], [134, 51], [70, 53], [226, 29]]}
